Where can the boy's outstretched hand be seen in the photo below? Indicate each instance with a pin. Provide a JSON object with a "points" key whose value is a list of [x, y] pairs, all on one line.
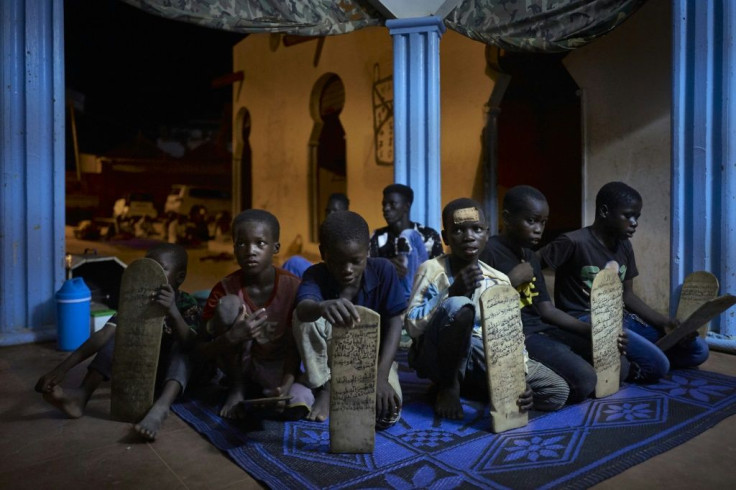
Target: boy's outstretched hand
{"points": [[387, 401], [526, 399], [466, 280], [247, 327], [339, 312]]}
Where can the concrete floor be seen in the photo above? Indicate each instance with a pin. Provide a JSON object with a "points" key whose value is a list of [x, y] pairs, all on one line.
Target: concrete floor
{"points": [[40, 448]]}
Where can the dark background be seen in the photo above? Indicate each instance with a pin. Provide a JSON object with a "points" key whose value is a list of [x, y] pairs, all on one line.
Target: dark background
{"points": [[141, 73]]}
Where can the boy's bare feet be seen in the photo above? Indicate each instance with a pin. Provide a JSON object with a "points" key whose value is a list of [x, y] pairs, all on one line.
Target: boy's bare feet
{"points": [[47, 382], [447, 404], [321, 408], [70, 401], [151, 423], [231, 409]]}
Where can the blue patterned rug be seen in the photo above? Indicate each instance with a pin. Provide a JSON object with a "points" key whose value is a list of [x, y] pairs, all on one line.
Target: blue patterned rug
{"points": [[574, 448]]}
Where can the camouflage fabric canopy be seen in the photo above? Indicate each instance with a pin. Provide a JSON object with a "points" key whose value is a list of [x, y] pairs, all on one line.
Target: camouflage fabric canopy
{"points": [[517, 25]]}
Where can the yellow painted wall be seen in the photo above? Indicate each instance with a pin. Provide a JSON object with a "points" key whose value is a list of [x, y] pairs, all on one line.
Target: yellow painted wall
{"points": [[625, 77], [626, 82], [276, 91]]}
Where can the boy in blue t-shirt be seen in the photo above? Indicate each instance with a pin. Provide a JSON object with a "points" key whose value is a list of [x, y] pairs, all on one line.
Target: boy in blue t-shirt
{"points": [[326, 297]]}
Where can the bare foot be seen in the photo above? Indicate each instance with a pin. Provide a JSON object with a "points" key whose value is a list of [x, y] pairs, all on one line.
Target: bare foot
{"points": [[151, 423], [71, 402], [447, 404], [231, 409], [321, 408]]}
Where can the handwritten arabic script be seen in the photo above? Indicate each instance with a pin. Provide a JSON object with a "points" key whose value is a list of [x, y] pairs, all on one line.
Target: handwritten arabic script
{"points": [[503, 339], [606, 309]]}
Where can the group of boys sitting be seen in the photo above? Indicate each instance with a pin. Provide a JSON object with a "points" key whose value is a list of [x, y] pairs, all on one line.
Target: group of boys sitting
{"points": [[269, 331]]}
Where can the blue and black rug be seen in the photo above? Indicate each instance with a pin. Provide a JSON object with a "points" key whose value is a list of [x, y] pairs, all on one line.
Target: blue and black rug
{"points": [[573, 448]]}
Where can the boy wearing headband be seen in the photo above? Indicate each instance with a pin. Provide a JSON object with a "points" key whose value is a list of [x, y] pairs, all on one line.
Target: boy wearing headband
{"points": [[444, 320]]}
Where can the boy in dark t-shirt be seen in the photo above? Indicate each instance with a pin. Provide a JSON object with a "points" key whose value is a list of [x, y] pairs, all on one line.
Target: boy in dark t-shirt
{"points": [[579, 255], [326, 297], [567, 353]]}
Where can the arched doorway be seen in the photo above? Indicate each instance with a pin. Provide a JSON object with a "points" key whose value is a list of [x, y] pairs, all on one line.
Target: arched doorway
{"points": [[242, 164], [328, 153]]}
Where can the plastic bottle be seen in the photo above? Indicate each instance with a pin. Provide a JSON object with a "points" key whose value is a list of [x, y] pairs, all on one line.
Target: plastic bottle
{"points": [[72, 313]]}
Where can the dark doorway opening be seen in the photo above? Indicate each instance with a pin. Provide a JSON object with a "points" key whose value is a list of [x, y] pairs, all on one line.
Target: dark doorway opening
{"points": [[540, 135]]}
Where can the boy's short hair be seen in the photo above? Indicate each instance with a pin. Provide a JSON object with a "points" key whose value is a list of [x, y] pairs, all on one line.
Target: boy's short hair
{"points": [[616, 194], [340, 197], [179, 253], [461, 203], [259, 216], [401, 189], [343, 226], [517, 197]]}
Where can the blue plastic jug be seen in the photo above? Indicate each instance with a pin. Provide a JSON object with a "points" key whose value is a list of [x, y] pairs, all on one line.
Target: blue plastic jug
{"points": [[72, 313]]}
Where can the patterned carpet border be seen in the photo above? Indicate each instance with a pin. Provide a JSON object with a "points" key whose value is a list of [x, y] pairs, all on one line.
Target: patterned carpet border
{"points": [[576, 447]]}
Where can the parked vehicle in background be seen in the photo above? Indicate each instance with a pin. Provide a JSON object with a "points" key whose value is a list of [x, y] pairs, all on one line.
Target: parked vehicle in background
{"points": [[135, 205], [204, 200], [134, 215], [196, 214]]}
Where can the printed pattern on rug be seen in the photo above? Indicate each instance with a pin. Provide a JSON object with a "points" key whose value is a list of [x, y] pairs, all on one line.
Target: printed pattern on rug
{"points": [[574, 448]]}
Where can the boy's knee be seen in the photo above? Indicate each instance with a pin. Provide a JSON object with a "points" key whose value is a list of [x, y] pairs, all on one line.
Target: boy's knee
{"points": [[550, 390], [690, 355], [582, 386], [458, 311], [303, 329], [465, 317], [453, 304], [699, 351], [549, 402], [227, 311], [649, 371], [319, 328]]}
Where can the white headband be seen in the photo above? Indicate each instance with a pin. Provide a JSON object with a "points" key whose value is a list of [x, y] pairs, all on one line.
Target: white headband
{"points": [[465, 214]]}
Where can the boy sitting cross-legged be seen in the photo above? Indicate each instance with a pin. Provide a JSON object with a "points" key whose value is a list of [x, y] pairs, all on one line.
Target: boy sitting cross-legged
{"points": [[249, 314], [554, 338], [327, 295], [579, 255], [445, 322], [174, 365]]}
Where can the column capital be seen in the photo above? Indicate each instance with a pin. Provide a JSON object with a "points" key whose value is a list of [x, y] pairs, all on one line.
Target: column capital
{"points": [[415, 25]]}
